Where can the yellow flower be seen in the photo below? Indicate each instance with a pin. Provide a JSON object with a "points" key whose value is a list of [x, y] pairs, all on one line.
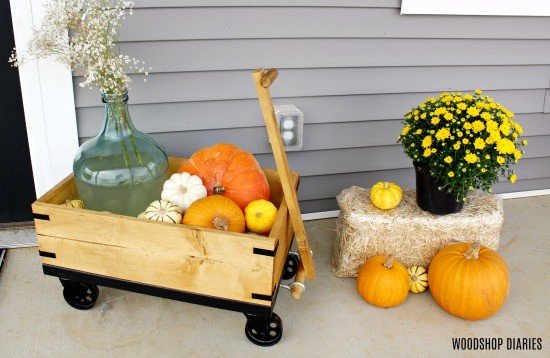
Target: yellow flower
{"points": [[448, 159], [427, 141], [447, 99], [473, 111], [418, 131], [465, 141], [479, 143], [491, 125], [487, 156], [456, 146], [500, 160], [513, 178], [462, 106], [439, 111], [459, 134], [468, 97], [485, 115], [518, 128], [423, 116], [448, 116], [435, 120], [478, 126], [451, 174], [517, 155], [427, 152], [505, 127], [481, 105], [443, 134], [508, 113], [478, 91], [524, 142], [505, 146], [471, 158], [467, 125], [495, 136], [406, 130]]}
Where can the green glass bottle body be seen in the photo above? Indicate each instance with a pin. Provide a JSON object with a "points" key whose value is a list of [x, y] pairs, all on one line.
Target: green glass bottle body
{"points": [[121, 170]]}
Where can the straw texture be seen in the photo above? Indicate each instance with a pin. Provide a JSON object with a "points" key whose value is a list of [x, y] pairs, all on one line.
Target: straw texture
{"points": [[412, 235]]}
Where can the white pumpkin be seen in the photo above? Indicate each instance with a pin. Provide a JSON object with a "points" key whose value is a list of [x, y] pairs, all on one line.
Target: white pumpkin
{"points": [[163, 210], [183, 189]]}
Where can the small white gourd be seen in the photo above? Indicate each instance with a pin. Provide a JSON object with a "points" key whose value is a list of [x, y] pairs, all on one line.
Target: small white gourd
{"points": [[163, 210], [183, 189]]}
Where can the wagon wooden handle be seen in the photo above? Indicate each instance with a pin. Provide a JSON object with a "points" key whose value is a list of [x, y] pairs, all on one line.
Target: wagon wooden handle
{"points": [[298, 286], [283, 169], [269, 77]]}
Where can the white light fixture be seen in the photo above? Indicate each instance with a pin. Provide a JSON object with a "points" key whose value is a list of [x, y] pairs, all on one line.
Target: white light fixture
{"points": [[291, 125]]}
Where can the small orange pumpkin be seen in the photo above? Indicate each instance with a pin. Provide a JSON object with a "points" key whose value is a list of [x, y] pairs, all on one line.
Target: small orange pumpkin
{"points": [[215, 212], [383, 281], [228, 170], [469, 281]]}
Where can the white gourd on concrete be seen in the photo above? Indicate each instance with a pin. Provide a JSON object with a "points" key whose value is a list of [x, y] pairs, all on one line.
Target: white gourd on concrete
{"points": [[183, 189]]}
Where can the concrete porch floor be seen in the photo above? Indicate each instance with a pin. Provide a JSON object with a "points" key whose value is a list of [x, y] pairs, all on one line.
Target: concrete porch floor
{"points": [[330, 320]]}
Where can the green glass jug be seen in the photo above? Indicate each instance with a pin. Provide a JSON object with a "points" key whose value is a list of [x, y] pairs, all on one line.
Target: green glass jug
{"points": [[121, 170]]}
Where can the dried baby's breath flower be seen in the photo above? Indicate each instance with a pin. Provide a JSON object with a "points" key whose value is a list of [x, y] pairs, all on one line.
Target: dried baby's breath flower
{"points": [[83, 35]]}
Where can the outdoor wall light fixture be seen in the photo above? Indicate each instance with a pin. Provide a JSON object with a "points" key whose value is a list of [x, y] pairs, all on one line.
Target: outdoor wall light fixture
{"points": [[291, 125]]}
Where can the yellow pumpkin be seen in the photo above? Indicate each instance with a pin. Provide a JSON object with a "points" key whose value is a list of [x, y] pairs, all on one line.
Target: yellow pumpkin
{"points": [[383, 281], [215, 212], [260, 216], [469, 281], [386, 195], [78, 204], [418, 279]]}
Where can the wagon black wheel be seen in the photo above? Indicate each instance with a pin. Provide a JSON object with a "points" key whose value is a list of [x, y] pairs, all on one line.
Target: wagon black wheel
{"points": [[79, 295], [292, 261], [264, 331]]}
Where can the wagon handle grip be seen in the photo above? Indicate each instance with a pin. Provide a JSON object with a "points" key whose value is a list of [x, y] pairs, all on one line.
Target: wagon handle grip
{"points": [[269, 77], [298, 285]]}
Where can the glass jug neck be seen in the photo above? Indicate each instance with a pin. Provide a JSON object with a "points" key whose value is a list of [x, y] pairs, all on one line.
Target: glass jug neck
{"points": [[115, 97], [117, 121]]}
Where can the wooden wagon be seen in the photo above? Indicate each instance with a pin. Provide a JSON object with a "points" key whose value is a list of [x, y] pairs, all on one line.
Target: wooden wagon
{"points": [[239, 272]]}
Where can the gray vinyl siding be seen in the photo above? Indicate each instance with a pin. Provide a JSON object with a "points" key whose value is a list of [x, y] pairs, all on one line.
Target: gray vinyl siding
{"points": [[353, 66]]}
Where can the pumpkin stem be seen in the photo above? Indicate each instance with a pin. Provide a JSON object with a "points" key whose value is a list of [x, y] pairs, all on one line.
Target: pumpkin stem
{"points": [[218, 189], [414, 278], [183, 190], [386, 184], [258, 214], [473, 251], [220, 223], [388, 263]]}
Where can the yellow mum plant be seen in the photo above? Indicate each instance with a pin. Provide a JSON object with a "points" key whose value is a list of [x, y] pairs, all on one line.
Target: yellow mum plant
{"points": [[467, 141]]}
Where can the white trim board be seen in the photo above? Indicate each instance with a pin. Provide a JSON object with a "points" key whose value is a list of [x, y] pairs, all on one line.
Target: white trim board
{"points": [[476, 7], [515, 195], [48, 102]]}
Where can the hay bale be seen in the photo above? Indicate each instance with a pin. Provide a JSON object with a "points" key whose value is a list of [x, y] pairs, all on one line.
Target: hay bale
{"points": [[412, 235]]}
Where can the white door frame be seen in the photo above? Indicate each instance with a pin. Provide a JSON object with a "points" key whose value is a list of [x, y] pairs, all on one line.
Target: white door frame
{"points": [[48, 102]]}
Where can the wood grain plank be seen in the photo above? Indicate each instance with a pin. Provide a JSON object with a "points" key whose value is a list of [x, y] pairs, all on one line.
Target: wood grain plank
{"points": [[173, 269]]}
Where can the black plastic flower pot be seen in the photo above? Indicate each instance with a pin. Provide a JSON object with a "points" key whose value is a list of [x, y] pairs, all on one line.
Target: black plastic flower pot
{"points": [[430, 198]]}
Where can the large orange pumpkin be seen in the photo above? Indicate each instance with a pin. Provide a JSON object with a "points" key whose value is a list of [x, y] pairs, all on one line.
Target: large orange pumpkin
{"points": [[228, 170], [469, 281], [215, 212], [383, 281]]}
